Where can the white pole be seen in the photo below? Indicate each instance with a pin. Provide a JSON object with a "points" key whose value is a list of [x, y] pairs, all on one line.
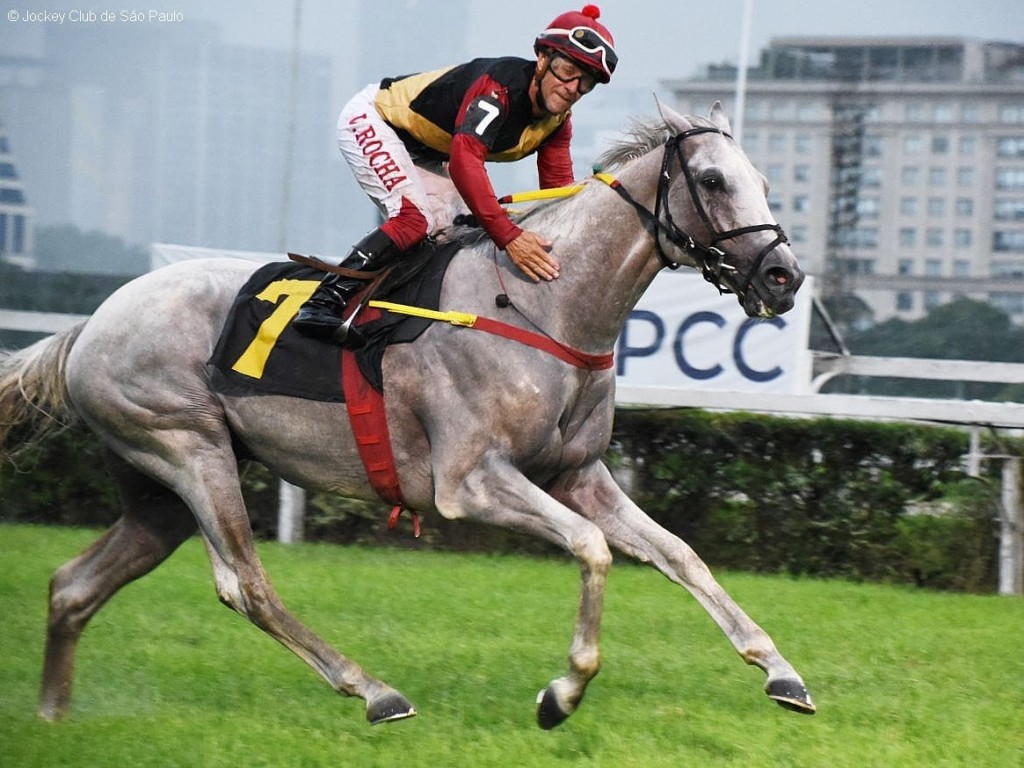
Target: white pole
{"points": [[741, 71], [1011, 531], [291, 512], [974, 456], [289, 147]]}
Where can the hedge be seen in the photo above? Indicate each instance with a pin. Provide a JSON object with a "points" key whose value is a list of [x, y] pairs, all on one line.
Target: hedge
{"points": [[821, 497]]}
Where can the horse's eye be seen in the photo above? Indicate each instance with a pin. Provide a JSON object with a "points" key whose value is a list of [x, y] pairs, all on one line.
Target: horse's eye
{"points": [[712, 181]]}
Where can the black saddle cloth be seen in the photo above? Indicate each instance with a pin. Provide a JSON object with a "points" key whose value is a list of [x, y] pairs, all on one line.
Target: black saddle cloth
{"points": [[290, 363]]}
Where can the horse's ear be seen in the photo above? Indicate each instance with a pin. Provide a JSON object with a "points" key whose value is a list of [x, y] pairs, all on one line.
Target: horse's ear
{"points": [[718, 118], [676, 122]]}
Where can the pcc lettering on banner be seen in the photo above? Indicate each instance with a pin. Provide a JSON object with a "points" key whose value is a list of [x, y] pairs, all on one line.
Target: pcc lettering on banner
{"points": [[680, 335]]}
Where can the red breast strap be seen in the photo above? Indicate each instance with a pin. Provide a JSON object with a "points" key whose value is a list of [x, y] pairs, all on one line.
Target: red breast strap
{"points": [[546, 344]]}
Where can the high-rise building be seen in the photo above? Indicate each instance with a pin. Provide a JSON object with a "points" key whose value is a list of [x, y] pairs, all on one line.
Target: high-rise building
{"points": [[16, 233], [896, 165]]}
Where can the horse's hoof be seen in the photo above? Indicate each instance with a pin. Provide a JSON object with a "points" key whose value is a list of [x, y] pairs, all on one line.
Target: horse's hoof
{"points": [[50, 715], [389, 707], [549, 711], [791, 695]]}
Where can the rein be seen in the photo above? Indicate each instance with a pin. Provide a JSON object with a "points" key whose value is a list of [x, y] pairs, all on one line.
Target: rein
{"points": [[714, 262]]}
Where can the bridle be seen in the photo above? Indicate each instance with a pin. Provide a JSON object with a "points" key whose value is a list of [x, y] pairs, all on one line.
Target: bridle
{"points": [[716, 264]]}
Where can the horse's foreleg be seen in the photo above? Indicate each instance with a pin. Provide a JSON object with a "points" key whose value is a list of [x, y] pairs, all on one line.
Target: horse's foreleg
{"points": [[594, 494], [243, 585], [154, 524], [496, 493]]}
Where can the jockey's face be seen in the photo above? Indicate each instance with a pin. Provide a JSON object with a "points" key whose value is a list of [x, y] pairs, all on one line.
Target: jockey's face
{"points": [[558, 84]]}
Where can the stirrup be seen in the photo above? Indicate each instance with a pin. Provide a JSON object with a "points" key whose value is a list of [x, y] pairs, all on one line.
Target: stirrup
{"points": [[347, 335]]}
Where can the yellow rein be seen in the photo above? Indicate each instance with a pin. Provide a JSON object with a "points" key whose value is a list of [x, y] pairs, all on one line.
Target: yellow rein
{"points": [[454, 318], [554, 192]]}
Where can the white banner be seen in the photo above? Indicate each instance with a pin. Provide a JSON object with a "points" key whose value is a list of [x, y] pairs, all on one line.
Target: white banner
{"points": [[683, 335]]}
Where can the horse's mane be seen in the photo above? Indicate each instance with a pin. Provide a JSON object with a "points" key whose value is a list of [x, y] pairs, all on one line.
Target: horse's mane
{"points": [[643, 135]]}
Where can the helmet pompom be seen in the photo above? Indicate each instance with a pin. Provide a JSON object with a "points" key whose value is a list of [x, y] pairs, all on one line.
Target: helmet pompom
{"points": [[591, 11]]}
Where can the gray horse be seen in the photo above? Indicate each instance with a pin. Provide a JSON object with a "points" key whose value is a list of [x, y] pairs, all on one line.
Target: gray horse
{"points": [[483, 428]]}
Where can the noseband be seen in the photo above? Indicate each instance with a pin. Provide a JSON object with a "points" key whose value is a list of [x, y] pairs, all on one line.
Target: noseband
{"points": [[716, 264]]}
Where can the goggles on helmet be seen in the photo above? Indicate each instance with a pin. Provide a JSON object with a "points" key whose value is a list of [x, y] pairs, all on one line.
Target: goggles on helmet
{"points": [[585, 45]]}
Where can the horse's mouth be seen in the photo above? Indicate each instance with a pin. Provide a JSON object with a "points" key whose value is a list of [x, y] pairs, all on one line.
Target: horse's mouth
{"points": [[772, 292], [755, 306]]}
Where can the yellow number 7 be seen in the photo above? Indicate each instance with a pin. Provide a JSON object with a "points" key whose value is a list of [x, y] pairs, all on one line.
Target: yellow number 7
{"points": [[295, 292]]}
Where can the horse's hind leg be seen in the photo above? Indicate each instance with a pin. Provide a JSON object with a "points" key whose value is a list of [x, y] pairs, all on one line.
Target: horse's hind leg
{"points": [[154, 523], [212, 491]]}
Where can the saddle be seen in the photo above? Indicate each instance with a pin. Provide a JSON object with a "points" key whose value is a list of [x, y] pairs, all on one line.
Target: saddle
{"points": [[259, 353]]}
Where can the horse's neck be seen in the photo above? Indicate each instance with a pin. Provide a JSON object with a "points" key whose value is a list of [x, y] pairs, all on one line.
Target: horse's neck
{"points": [[606, 258]]}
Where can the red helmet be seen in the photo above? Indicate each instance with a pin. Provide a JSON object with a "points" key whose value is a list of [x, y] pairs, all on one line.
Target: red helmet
{"points": [[578, 36]]}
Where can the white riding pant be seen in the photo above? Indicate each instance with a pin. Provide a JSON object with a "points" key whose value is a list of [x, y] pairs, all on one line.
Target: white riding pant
{"points": [[385, 170]]}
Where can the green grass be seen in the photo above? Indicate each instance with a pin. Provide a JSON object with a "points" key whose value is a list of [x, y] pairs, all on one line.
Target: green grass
{"points": [[169, 677]]}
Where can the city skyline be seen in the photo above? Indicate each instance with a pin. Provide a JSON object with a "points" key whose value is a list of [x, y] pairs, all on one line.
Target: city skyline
{"points": [[259, 43]]}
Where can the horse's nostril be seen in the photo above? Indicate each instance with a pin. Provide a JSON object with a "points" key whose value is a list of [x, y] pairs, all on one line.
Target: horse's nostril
{"points": [[778, 276]]}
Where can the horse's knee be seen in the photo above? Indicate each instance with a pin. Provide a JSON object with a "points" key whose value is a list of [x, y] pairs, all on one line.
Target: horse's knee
{"points": [[248, 596], [590, 547], [229, 588], [68, 604]]}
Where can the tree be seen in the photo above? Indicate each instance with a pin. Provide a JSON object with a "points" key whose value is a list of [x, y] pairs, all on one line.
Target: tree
{"points": [[961, 330], [76, 272], [65, 248]]}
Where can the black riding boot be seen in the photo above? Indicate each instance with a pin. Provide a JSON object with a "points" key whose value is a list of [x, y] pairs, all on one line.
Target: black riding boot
{"points": [[320, 317]]}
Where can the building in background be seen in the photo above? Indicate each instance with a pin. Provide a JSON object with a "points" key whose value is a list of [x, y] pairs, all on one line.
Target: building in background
{"points": [[167, 134], [896, 165], [176, 138], [16, 230]]}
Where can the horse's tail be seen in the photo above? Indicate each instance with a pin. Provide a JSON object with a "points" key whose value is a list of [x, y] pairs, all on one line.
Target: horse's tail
{"points": [[34, 399]]}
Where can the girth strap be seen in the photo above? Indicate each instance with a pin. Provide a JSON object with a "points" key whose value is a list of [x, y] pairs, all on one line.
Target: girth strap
{"points": [[365, 405], [366, 414]]}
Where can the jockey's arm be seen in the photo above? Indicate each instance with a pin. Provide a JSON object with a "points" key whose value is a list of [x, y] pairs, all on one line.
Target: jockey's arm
{"points": [[469, 174], [527, 250], [554, 160]]}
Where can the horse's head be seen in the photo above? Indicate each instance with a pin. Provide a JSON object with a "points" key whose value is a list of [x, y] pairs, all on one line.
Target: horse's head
{"points": [[712, 206]]}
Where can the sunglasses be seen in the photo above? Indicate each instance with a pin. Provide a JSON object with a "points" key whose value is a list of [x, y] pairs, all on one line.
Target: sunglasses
{"points": [[567, 71]]}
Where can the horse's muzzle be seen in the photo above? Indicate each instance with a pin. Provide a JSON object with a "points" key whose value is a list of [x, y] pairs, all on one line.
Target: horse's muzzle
{"points": [[772, 290]]}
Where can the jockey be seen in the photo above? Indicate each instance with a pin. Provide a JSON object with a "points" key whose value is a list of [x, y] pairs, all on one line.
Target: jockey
{"points": [[499, 109]]}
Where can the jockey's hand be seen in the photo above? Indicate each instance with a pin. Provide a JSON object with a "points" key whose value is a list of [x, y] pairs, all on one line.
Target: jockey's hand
{"points": [[530, 253]]}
